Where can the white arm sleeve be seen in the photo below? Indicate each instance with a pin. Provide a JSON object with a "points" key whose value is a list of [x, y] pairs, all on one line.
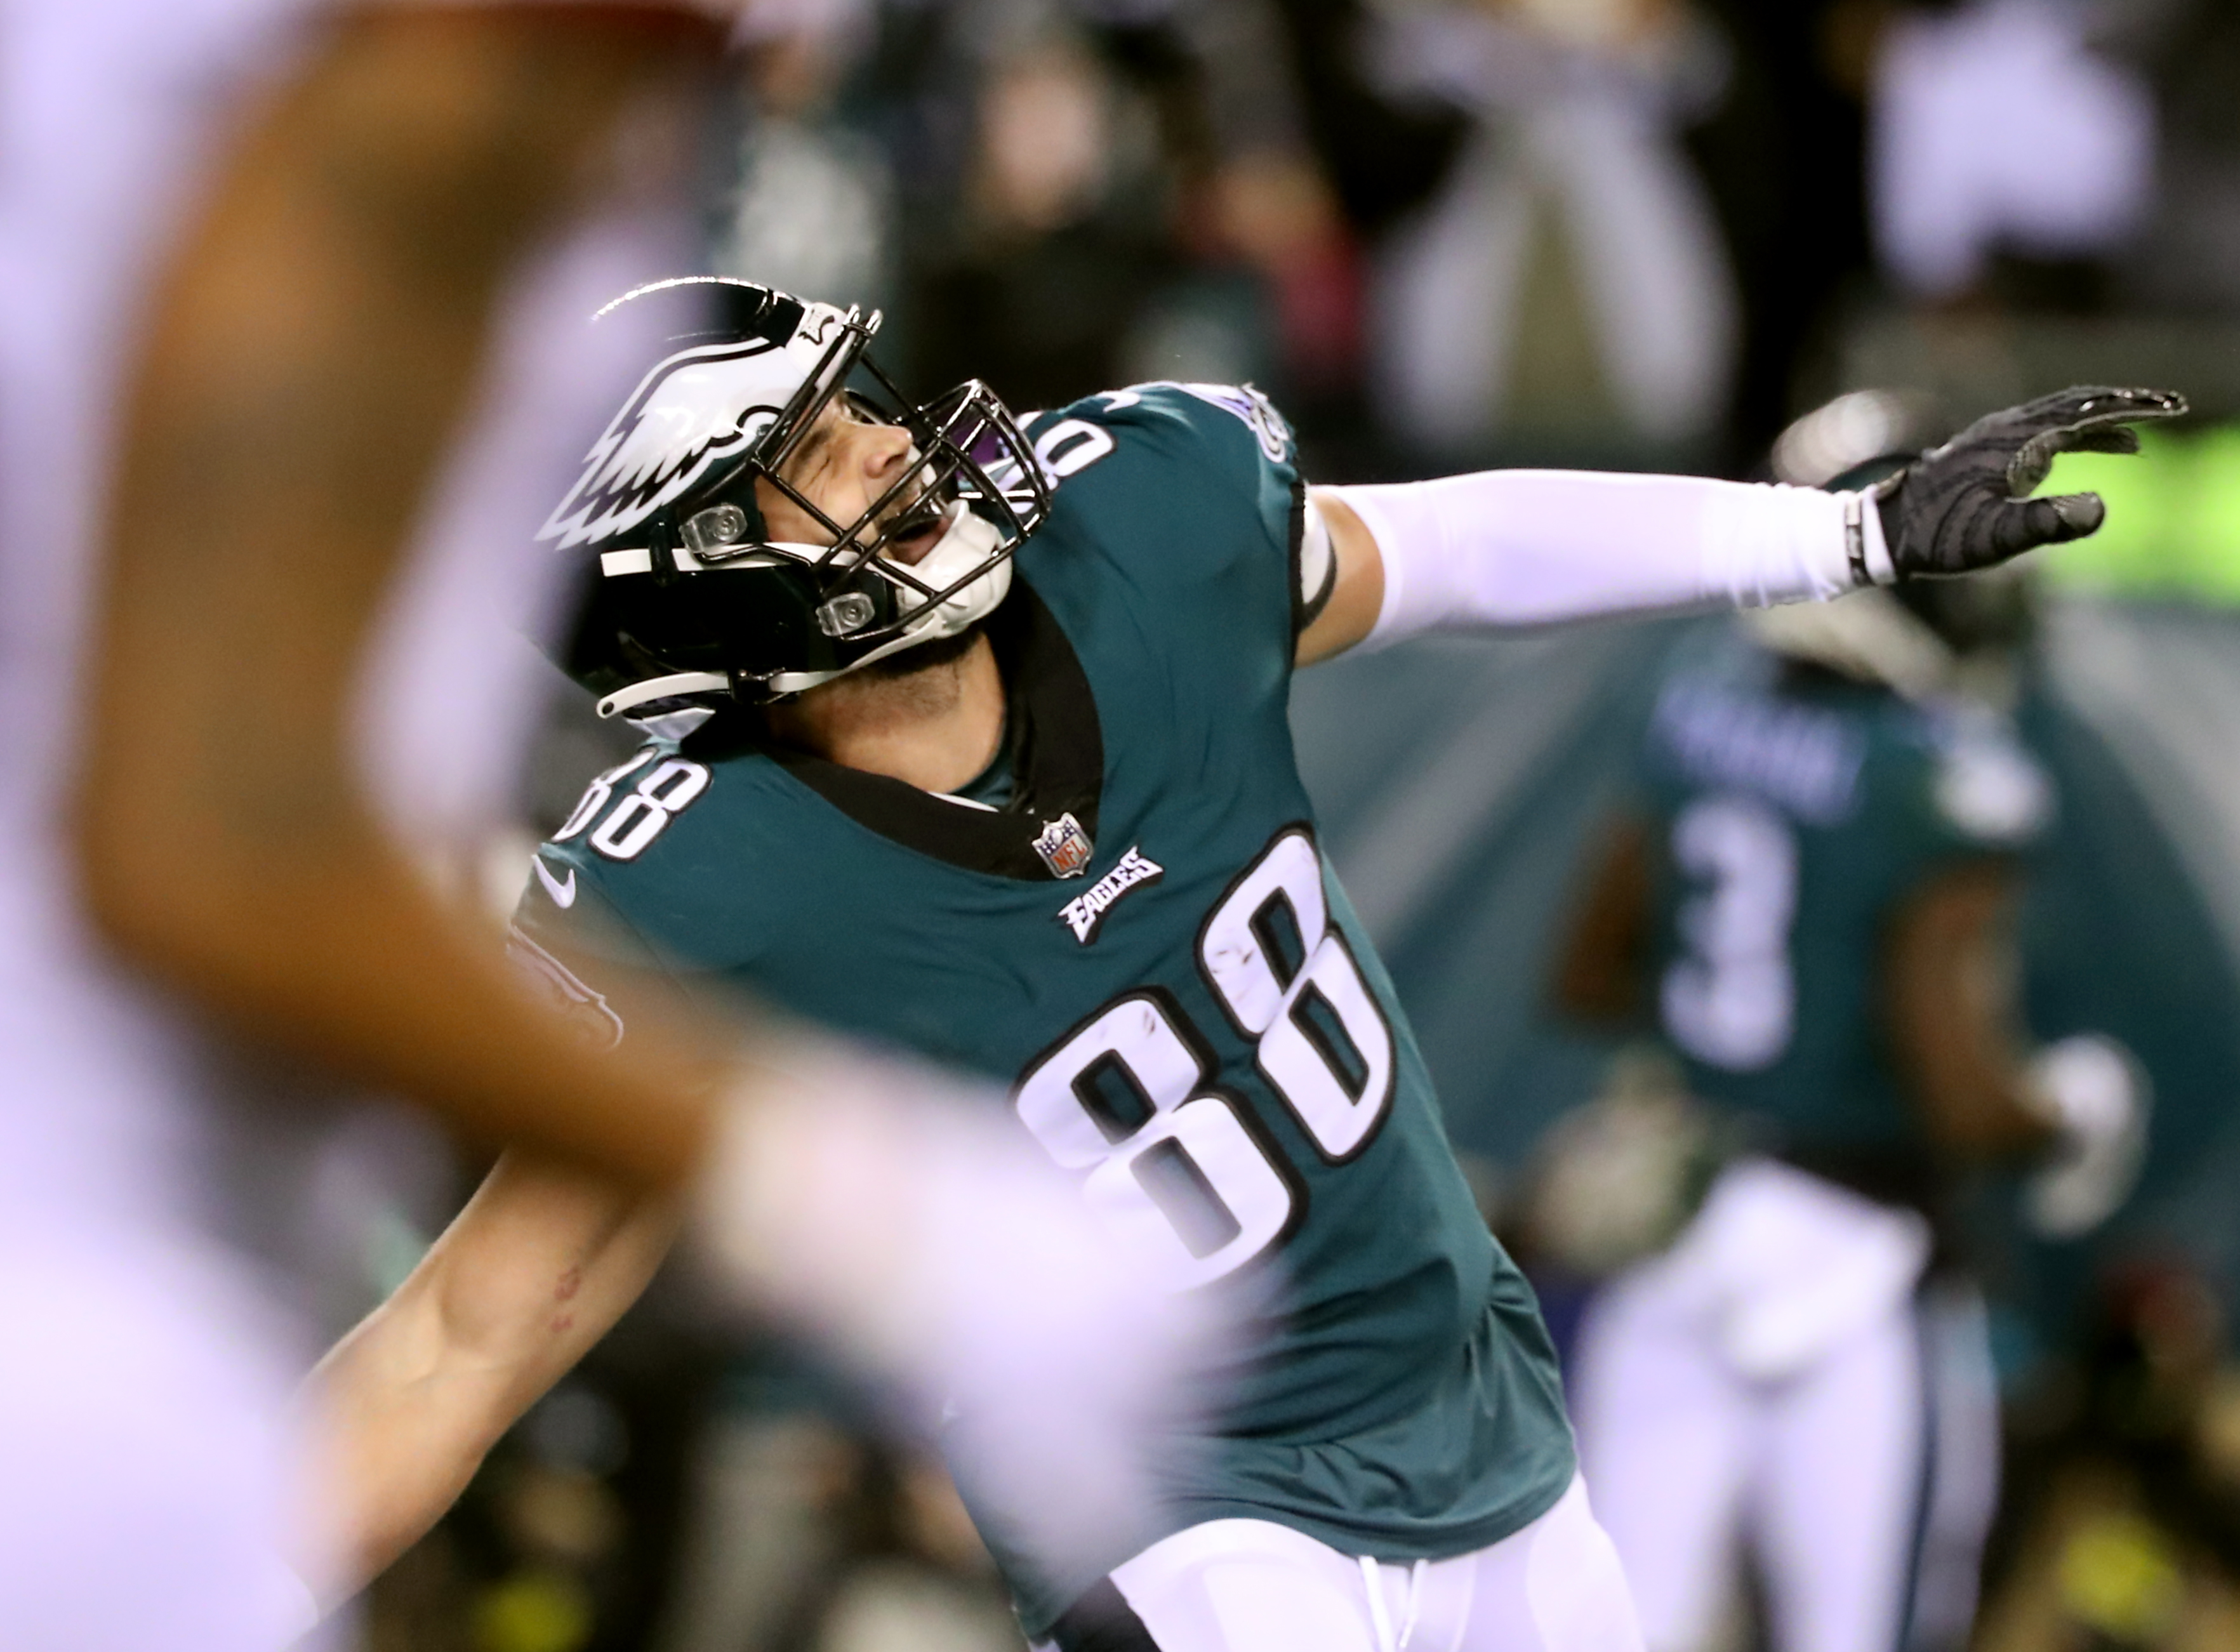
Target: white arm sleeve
{"points": [[1507, 547]]}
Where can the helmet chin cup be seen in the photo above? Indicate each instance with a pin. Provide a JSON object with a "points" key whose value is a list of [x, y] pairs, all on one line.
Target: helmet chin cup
{"points": [[966, 562], [963, 552]]}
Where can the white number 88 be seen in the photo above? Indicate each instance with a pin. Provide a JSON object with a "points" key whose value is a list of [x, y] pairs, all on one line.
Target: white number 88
{"points": [[1174, 1165]]}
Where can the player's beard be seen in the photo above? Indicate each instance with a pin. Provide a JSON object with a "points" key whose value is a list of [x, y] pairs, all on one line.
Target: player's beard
{"points": [[925, 679], [925, 656]]}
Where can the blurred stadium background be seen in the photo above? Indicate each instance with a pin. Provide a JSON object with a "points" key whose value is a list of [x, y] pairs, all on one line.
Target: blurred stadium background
{"points": [[1447, 234]]}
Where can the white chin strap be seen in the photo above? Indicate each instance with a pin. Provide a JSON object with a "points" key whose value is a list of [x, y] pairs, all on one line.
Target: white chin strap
{"points": [[971, 540], [662, 687]]}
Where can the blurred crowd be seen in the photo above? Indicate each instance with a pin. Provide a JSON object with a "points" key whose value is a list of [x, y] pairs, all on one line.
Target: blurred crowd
{"points": [[1626, 231], [1442, 235]]}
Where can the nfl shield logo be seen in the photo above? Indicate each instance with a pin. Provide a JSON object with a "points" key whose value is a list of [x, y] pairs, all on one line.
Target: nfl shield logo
{"points": [[1065, 848]]}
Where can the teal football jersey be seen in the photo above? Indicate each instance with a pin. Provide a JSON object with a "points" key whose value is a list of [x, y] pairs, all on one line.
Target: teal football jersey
{"points": [[1794, 812], [1146, 946]]}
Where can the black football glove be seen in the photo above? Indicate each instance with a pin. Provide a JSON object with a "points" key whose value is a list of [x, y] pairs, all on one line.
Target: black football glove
{"points": [[1966, 505]]}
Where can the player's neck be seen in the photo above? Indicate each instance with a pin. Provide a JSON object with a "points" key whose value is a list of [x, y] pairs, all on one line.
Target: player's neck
{"points": [[935, 728]]}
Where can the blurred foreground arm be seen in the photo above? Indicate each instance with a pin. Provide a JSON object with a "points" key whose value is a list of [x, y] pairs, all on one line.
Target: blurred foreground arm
{"points": [[1512, 547], [311, 352]]}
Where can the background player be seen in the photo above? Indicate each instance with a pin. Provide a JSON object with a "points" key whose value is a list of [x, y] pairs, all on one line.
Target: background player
{"points": [[883, 758], [1818, 901]]}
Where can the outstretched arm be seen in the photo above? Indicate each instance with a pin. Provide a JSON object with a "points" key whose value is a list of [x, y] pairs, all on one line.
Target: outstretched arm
{"points": [[534, 1271], [1515, 547]]}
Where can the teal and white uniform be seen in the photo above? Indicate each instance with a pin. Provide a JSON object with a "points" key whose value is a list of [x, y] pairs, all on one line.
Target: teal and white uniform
{"points": [[1781, 1374], [1194, 1022], [1794, 811]]}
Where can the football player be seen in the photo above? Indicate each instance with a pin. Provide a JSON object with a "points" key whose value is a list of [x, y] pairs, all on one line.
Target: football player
{"points": [[969, 736], [1816, 904], [249, 252]]}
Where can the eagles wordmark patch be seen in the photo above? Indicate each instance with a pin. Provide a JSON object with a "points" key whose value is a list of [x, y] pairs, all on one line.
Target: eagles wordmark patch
{"points": [[1086, 910]]}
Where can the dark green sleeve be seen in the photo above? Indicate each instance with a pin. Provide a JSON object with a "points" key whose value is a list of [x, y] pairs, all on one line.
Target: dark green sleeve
{"points": [[1225, 448], [574, 948]]}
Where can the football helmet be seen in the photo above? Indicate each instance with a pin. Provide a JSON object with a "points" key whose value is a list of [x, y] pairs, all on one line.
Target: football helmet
{"points": [[687, 599]]}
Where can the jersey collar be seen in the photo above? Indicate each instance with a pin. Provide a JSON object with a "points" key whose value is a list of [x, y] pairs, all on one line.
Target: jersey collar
{"points": [[1059, 758]]}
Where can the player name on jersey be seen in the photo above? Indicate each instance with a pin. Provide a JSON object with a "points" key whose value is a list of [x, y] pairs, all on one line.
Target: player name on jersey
{"points": [[1087, 910]]}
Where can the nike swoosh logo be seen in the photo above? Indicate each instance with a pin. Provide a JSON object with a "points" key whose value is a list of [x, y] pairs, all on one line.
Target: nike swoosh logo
{"points": [[562, 894]]}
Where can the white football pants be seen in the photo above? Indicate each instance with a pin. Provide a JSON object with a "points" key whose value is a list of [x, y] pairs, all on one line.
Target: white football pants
{"points": [[1254, 1586], [145, 1488], [1776, 1379]]}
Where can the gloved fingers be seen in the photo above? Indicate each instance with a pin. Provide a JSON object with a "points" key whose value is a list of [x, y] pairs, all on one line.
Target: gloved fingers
{"points": [[2056, 411], [2093, 405], [2079, 513], [2105, 406], [2024, 524], [2109, 413], [2033, 461], [2087, 419], [2113, 438]]}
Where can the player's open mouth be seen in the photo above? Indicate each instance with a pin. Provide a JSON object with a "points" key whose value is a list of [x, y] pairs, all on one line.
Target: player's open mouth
{"points": [[915, 531]]}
